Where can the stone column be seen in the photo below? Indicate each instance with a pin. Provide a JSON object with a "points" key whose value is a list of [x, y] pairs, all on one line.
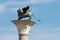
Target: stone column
{"points": [[23, 27]]}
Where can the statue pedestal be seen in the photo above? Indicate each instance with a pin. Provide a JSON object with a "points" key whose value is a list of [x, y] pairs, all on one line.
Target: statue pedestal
{"points": [[23, 27]]}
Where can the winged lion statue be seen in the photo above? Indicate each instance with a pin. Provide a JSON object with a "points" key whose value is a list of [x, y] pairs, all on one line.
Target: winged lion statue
{"points": [[24, 12]]}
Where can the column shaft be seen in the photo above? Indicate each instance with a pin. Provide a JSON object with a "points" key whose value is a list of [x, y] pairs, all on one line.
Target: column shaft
{"points": [[23, 36]]}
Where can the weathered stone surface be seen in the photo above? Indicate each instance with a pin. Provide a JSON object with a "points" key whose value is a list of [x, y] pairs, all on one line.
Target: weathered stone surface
{"points": [[23, 22]]}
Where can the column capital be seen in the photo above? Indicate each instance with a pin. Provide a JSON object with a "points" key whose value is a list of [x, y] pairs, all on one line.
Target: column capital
{"points": [[23, 22], [23, 26]]}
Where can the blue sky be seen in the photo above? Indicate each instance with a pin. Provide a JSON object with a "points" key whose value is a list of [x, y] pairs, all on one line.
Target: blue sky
{"points": [[48, 11]]}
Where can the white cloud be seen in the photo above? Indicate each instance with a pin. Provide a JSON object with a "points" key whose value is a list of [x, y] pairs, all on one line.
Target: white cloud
{"points": [[58, 28], [54, 28], [1, 28], [8, 28], [7, 33], [26, 2], [19, 3], [15, 3], [39, 1], [9, 37], [44, 35], [13, 9], [39, 36], [2, 8]]}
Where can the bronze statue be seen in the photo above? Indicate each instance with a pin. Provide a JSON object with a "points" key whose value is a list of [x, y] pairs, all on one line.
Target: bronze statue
{"points": [[24, 12]]}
